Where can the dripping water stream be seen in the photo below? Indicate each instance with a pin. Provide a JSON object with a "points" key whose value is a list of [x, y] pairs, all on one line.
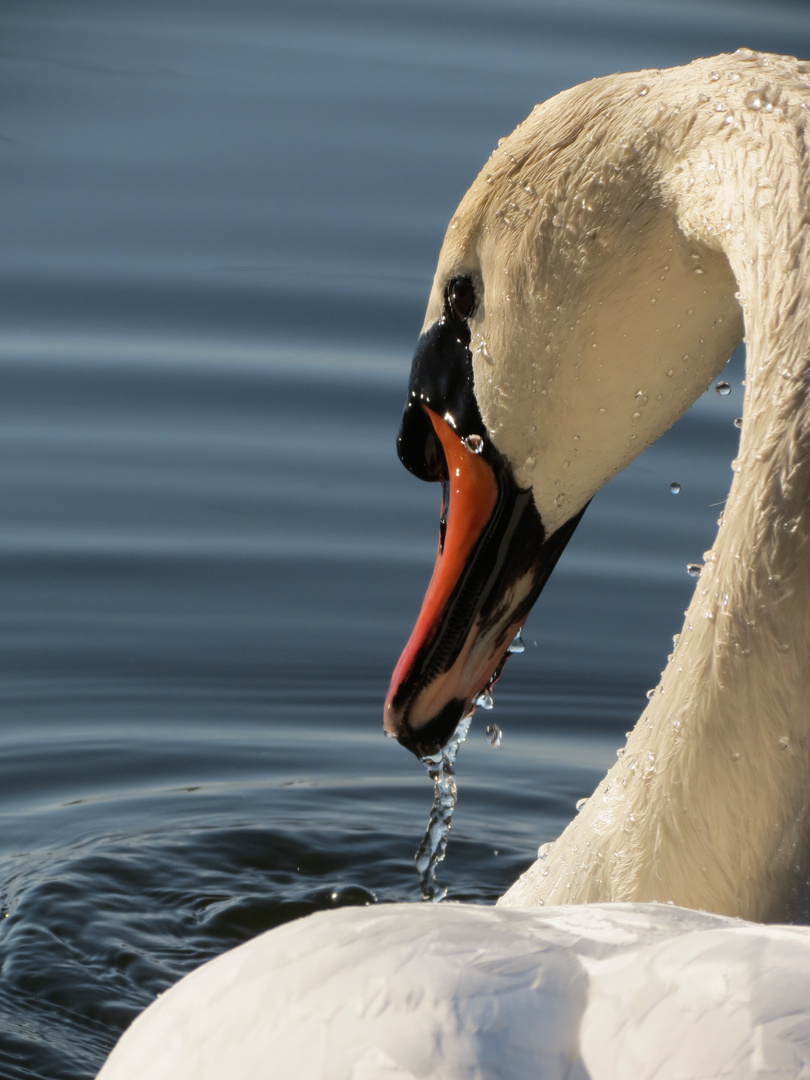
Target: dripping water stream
{"points": [[441, 770]]}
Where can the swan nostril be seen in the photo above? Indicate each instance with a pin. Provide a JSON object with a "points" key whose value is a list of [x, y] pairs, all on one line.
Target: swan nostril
{"points": [[443, 517]]}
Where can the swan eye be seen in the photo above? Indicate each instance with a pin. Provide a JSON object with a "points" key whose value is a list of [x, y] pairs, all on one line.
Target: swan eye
{"points": [[461, 298]]}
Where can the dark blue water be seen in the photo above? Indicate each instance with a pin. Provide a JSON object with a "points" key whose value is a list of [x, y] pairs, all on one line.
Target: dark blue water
{"points": [[219, 224]]}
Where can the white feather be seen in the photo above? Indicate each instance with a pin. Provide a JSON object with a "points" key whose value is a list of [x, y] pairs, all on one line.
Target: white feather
{"points": [[452, 992]]}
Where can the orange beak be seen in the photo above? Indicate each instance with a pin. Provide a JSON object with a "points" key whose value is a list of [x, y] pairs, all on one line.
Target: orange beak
{"points": [[492, 561]]}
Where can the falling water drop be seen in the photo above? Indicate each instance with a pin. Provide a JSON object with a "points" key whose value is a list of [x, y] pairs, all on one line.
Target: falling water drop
{"points": [[494, 735], [441, 770], [675, 487], [723, 388]]}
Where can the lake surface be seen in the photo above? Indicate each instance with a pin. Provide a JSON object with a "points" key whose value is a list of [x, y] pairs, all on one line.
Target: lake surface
{"points": [[219, 226]]}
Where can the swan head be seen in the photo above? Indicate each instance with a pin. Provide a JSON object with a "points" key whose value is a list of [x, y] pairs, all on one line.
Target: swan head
{"points": [[572, 319]]}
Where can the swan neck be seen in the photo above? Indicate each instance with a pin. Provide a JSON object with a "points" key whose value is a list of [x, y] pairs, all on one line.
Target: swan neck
{"points": [[707, 805]]}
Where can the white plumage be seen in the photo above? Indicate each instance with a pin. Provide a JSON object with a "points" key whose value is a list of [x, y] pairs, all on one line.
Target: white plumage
{"points": [[453, 992], [620, 237]]}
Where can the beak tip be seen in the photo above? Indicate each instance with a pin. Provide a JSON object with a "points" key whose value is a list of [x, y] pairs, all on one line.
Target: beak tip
{"points": [[425, 737]]}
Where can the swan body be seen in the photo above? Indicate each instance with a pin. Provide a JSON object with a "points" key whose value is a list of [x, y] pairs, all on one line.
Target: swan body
{"points": [[457, 992], [594, 280]]}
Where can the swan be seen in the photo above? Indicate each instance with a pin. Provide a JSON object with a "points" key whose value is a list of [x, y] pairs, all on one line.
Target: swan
{"points": [[593, 282]]}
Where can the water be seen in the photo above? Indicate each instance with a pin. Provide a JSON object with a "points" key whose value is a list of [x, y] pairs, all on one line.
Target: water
{"points": [[220, 224], [441, 770]]}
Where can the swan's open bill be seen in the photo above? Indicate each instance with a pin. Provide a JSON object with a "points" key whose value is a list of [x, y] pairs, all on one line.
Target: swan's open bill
{"points": [[591, 285]]}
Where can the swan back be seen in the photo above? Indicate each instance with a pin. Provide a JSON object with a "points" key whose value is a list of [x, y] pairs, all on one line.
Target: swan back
{"points": [[454, 992]]}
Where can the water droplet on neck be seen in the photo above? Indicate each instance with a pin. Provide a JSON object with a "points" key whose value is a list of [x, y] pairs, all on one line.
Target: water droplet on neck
{"points": [[694, 569], [675, 487], [723, 388], [783, 743], [517, 645], [738, 422], [483, 352], [473, 443], [580, 804]]}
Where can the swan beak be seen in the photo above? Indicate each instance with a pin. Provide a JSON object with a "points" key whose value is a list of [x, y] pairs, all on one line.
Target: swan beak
{"points": [[493, 560]]}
